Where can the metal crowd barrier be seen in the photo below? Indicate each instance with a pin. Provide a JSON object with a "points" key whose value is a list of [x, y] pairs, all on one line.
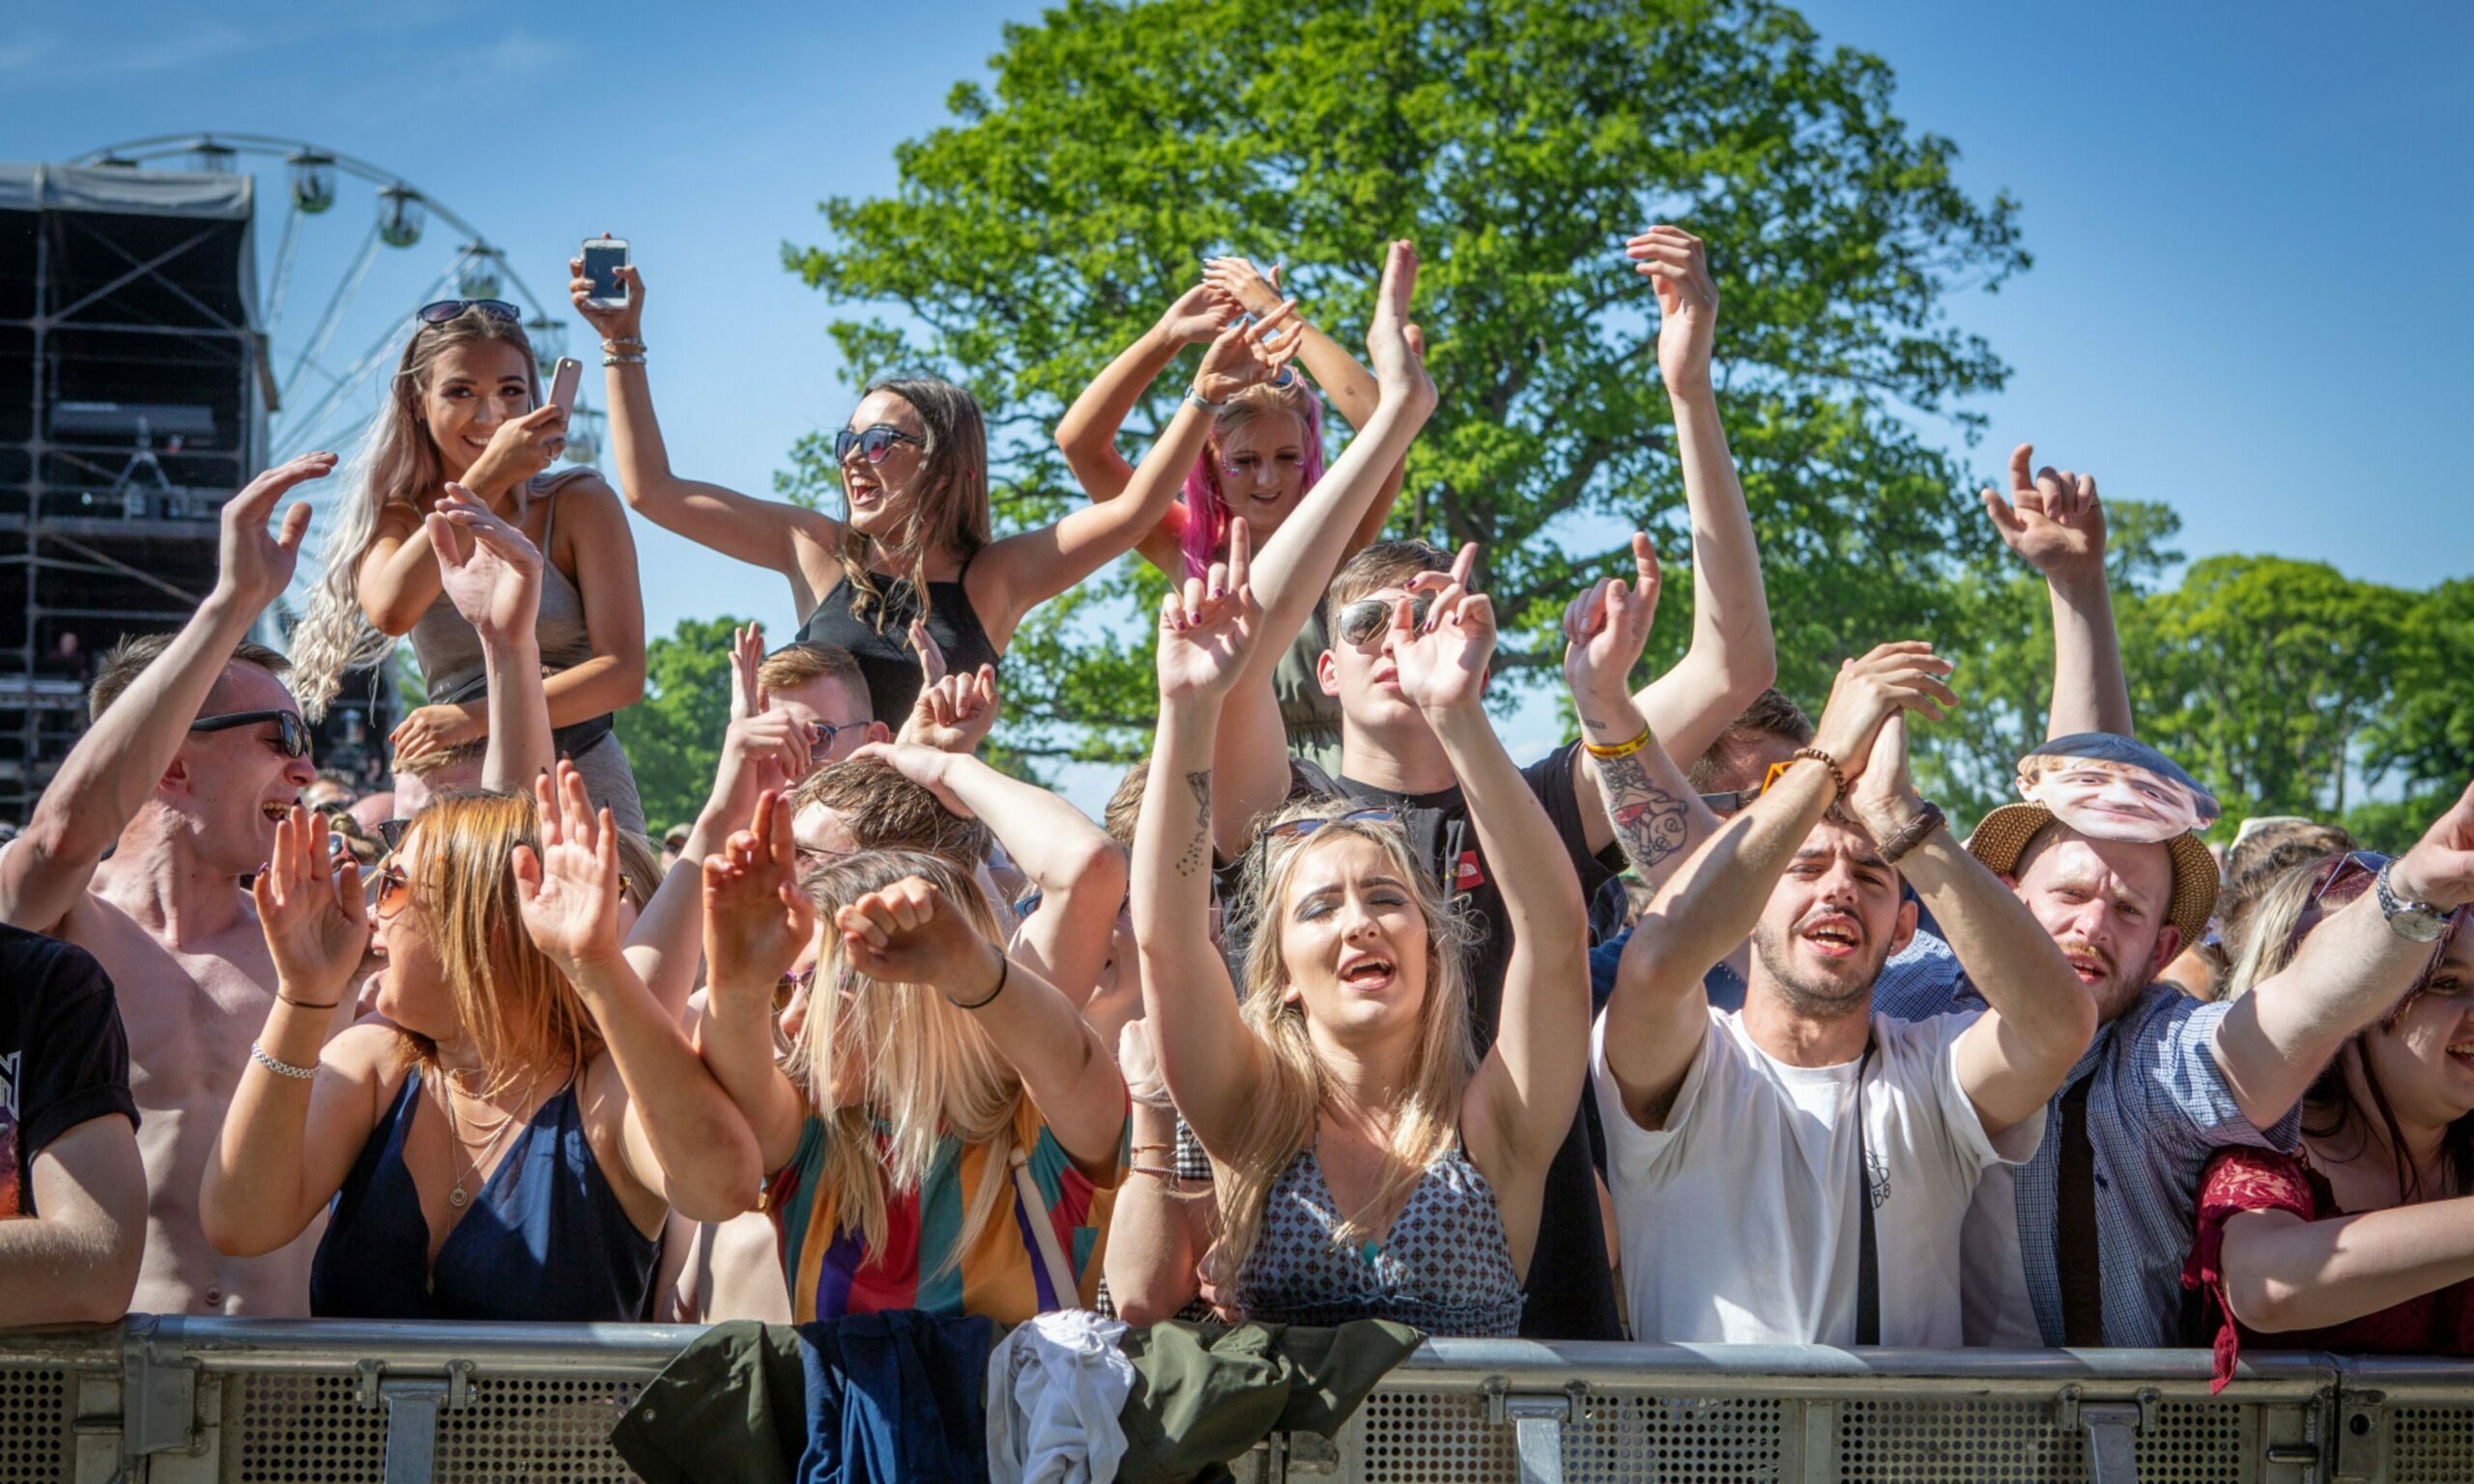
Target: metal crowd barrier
{"points": [[285, 1402]]}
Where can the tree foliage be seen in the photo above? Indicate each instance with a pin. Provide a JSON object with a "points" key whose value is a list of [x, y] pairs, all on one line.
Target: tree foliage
{"points": [[1119, 143], [674, 735]]}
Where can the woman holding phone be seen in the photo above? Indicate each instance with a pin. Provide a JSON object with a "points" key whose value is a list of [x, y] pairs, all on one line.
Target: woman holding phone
{"points": [[464, 412], [912, 544]]}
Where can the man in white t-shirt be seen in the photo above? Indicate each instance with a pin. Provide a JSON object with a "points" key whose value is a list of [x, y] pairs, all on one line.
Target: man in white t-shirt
{"points": [[1734, 1138]]}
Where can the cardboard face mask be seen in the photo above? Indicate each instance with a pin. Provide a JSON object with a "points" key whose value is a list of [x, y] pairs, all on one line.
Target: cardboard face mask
{"points": [[2112, 788]]}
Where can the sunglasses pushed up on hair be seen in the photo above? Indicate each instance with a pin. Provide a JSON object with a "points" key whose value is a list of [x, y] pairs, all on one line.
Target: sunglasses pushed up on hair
{"points": [[440, 312]]}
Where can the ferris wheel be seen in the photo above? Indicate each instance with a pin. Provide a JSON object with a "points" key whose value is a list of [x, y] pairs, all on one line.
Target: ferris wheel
{"points": [[325, 292]]}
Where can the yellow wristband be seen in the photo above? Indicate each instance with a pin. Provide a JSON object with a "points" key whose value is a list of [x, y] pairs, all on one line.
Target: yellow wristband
{"points": [[1620, 749]]}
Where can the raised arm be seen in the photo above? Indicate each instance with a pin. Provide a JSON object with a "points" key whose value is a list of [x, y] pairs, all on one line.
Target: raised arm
{"points": [[1087, 434], [2282, 1273], [1214, 1068], [756, 921], [2054, 522], [398, 578], [908, 933], [1655, 816], [287, 1142], [1079, 872], [761, 532], [1296, 565], [2352, 969], [2015, 1056], [493, 576], [678, 1133], [1530, 1080], [1733, 657], [1024, 571], [114, 768]]}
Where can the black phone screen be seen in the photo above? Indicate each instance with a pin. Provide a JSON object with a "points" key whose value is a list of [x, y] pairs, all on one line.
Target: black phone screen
{"points": [[601, 265]]}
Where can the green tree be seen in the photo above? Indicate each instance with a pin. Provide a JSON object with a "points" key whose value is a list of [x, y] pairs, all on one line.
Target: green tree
{"points": [[674, 735], [1518, 145], [2427, 729]]}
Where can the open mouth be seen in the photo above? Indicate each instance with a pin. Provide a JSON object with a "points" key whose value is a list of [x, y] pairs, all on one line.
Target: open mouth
{"points": [[275, 809], [1367, 974], [1834, 937], [2092, 966], [2463, 1052]]}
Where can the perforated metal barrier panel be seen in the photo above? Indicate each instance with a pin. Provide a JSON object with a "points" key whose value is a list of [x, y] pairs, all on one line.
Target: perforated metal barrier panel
{"points": [[254, 1402]]}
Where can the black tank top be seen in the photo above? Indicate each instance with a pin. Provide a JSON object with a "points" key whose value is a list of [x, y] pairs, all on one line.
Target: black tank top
{"points": [[884, 650]]}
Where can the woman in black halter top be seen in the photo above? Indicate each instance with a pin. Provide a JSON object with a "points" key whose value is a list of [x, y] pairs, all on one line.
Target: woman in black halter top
{"points": [[912, 541]]}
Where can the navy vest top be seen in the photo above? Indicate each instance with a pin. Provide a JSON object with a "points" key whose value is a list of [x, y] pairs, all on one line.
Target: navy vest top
{"points": [[545, 1238], [884, 654]]}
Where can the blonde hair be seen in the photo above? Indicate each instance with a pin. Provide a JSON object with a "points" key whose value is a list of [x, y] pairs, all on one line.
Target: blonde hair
{"points": [[1287, 1110], [396, 467], [926, 1067], [521, 1014]]}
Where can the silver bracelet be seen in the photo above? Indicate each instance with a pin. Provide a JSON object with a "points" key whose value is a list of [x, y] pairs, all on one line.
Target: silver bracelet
{"points": [[637, 359], [282, 1068], [624, 343]]}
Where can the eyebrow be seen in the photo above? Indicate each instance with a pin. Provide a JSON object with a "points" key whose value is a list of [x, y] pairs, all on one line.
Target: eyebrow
{"points": [[1336, 887]]}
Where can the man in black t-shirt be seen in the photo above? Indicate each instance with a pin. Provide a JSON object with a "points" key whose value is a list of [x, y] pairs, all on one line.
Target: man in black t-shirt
{"points": [[72, 1194]]}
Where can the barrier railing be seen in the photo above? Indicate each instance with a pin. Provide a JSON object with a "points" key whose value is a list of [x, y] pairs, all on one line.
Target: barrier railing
{"points": [[278, 1402]]}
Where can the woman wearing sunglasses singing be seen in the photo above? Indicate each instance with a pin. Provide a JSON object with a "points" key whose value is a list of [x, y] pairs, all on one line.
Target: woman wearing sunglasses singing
{"points": [[912, 544], [1367, 1162], [1265, 451], [2361, 1242], [463, 412]]}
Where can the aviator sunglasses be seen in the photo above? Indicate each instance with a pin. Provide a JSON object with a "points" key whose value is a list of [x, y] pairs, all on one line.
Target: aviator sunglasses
{"points": [[1367, 617]]}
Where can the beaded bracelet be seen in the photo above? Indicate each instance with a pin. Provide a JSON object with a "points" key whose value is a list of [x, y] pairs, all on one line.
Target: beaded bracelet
{"points": [[1837, 774]]}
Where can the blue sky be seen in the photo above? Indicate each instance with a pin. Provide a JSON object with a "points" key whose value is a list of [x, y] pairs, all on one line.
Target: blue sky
{"points": [[2250, 300]]}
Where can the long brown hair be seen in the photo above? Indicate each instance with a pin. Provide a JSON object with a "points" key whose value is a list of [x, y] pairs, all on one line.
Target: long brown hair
{"points": [[926, 1067], [396, 465], [949, 510], [1286, 1114], [521, 1014]]}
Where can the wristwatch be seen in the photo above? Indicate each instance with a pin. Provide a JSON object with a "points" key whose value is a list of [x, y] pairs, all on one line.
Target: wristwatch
{"points": [[2416, 921]]}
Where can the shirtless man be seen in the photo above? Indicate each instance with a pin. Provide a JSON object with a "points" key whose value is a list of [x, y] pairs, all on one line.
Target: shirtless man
{"points": [[190, 760]]}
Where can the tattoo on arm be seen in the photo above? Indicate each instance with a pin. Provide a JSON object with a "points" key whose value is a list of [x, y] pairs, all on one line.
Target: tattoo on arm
{"points": [[1649, 821], [1196, 849]]}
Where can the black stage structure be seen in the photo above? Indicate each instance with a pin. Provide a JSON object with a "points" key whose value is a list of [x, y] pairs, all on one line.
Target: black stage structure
{"points": [[135, 392]]}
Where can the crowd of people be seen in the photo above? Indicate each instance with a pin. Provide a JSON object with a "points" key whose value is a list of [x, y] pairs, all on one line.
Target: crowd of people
{"points": [[1340, 1011]]}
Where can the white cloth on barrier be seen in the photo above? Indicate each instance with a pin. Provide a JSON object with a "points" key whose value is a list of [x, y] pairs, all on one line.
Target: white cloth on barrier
{"points": [[1054, 1388]]}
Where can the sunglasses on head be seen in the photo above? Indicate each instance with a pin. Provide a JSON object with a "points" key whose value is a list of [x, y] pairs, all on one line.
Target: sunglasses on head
{"points": [[293, 731], [1299, 829], [872, 444], [1367, 617], [443, 310]]}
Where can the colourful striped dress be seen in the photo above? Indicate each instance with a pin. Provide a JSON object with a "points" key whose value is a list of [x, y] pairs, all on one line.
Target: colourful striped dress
{"points": [[832, 1273]]}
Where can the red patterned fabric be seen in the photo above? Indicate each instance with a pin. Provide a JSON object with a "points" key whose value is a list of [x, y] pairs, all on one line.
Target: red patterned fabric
{"points": [[2441, 1323]]}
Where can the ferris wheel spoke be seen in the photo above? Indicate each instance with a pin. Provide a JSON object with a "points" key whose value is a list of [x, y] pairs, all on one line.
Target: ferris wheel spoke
{"points": [[327, 323], [283, 279], [295, 436]]}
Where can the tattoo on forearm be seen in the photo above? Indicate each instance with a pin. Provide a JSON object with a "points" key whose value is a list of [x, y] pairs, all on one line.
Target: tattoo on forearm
{"points": [[1197, 849], [1649, 823]]}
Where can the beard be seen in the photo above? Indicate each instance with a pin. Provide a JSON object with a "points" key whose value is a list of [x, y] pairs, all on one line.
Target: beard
{"points": [[1814, 991]]}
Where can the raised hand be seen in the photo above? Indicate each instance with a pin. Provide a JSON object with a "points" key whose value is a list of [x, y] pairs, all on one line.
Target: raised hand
{"points": [[1883, 797], [921, 764], [908, 933], [1606, 628], [568, 891], [1138, 1063], [1207, 628], [253, 565], [1199, 314], [747, 654], [1396, 348], [955, 713], [1904, 675], [619, 322], [1243, 355], [309, 910], [1442, 663], [1238, 281], [519, 449], [435, 728], [490, 571], [1671, 258], [2052, 519], [2440, 867], [756, 921], [768, 751]]}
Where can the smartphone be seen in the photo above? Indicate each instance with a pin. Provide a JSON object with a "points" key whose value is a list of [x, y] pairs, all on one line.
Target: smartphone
{"points": [[603, 257], [563, 378]]}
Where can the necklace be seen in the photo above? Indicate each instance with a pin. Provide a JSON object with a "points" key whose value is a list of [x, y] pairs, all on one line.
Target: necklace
{"points": [[456, 1197]]}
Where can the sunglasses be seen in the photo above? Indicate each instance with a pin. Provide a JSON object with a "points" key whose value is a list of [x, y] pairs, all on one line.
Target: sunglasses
{"points": [[443, 310], [821, 734], [791, 985], [2342, 880], [1367, 617], [872, 444], [1299, 829], [292, 733], [391, 889]]}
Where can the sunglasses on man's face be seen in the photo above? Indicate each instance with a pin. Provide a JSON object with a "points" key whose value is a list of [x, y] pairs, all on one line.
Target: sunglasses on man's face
{"points": [[292, 732], [872, 444], [821, 734], [1299, 829], [1362, 619], [440, 312]]}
